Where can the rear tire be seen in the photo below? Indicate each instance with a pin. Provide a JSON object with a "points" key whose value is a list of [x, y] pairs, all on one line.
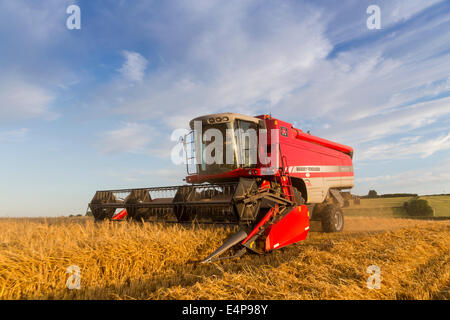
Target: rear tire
{"points": [[332, 218]]}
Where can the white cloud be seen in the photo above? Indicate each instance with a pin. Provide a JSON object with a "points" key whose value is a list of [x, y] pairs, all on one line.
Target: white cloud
{"points": [[241, 58], [347, 18], [401, 10], [405, 148], [131, 137], [134, 66], [21, 99], [425, 180], [396, 121], [14, 135], [38, 24], [432, 146]]}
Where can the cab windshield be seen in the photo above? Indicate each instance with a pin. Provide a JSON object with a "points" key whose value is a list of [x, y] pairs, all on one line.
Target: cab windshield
{"points": [[227, 146]]}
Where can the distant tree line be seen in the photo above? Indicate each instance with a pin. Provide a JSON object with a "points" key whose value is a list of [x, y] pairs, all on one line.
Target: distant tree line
{"points": [[373, 194], [413, 207], [392, 195]]}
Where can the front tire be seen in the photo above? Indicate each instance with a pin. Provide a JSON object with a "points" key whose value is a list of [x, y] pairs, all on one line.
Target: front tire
{"points": [[332, 219], [298, 197]]}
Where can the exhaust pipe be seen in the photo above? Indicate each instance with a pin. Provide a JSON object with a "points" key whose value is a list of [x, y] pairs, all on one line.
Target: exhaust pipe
{"points": [[233, 240]]}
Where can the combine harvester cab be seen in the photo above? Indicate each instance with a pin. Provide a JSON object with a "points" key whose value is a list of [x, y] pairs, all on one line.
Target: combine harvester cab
{"points": [[272, 202]]}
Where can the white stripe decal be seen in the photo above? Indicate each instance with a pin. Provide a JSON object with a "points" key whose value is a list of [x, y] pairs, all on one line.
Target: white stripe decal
{"points": [[276, 245], [301, 169], [307, 228]]}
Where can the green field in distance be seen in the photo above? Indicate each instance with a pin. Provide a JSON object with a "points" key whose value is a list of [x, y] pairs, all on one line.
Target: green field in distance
{"points": [[393, 207]]}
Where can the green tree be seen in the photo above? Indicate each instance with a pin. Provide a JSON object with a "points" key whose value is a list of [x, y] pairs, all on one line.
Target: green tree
{"points": [[418, 207], [372, 194]]}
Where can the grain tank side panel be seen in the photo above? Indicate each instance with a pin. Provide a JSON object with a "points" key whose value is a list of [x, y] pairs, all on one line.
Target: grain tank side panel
{"points": [[320, 166]]}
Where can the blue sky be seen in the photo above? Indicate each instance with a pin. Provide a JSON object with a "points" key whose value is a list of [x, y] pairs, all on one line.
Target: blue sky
{"points": [[89, 109]]}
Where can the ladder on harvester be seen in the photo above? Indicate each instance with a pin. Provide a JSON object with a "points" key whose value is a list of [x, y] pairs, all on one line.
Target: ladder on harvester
{"points": [[285, 179]]}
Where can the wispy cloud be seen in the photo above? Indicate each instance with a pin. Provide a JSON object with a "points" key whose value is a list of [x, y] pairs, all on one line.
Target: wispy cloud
{"points": [[392, 13], [423, 180], [239, 58], [134, 67], [397, 121], [405, 148], [131, 138], [401, 10], [14, 135], [38, 24], [21, 99]]}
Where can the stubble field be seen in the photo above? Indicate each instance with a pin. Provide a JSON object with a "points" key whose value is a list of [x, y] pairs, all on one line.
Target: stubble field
{"points": [[153, 261]]}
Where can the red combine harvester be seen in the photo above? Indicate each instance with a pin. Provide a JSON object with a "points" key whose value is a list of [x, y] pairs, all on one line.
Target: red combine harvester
{"points": [[271, 189]]}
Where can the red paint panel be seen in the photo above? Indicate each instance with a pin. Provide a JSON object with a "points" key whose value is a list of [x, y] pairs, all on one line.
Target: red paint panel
{"points": [[292, 228], [240, 172], [326, 143], [265, 185], [266, 218], [121, 215]]}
